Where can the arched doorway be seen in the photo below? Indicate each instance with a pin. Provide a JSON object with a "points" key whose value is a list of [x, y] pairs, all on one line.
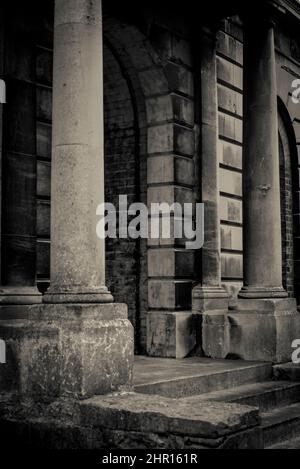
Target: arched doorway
{"points": [[290, 207]]}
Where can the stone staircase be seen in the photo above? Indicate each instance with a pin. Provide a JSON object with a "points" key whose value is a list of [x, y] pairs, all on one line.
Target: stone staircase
{"points": [[196, 403], [268, 388]]}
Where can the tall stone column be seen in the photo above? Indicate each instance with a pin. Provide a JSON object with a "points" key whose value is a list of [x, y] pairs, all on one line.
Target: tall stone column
{"points": [[77, 255], [78, 343], [262, 219], [17, 187], [209, 298], [265, 322]]}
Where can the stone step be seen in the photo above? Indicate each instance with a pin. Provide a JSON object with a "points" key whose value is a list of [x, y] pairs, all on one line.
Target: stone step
{"points": [[131, 420], [265, 395], [287, 371], [203, 378], [293, 443], [281, 425]]}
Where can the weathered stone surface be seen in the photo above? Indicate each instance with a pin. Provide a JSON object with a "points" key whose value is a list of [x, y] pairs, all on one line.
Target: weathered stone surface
{"points": [[195, 376], [170, 334], [32, 359], [180, 79], [207, 298], [170, 263], [264, 329], [77, 254], [169, 138], [54, 435], [169, 294], [137, 412], [215, 334], [170, 168], [75, 350]]}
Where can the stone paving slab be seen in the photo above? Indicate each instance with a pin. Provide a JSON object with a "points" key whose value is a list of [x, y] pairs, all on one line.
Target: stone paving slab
{"points": [[150, 370], [157, 414]]}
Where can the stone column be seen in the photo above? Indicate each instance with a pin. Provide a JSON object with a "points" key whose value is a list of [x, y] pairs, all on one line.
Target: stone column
{"points": [[262, 219], [17, 190], [77, 255], [265, 322], [78, 343], [209, 298]]}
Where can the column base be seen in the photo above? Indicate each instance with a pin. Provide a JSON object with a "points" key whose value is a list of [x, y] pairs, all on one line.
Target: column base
{"points": [[257, 292], [72, 296], [19, 295], [68, 350], [215, 334], [209, 299], [171, 334], [212, 303], [264, 329]]}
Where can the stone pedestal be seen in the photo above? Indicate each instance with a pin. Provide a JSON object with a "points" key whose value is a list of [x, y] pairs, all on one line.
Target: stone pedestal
{"points": [[69, 350], [172, 334], [264, 330]]}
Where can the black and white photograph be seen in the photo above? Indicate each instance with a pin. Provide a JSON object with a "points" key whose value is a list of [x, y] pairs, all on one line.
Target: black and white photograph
{"points": [[150, 228]]}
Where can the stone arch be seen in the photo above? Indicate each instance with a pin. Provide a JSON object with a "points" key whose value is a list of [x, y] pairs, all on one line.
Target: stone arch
{"points": [[290, 205], [161, 88]]}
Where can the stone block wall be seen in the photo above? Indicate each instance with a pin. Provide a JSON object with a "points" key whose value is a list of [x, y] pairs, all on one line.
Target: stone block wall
{"points": [[230, 104], [172, 149]]}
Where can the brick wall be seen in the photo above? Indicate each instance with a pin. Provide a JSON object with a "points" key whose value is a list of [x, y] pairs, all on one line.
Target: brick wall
{"points": [[286, 190]]}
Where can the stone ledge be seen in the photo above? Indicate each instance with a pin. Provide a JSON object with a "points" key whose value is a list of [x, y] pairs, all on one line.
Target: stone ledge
{"points": [[128, 421], [157, 414]]}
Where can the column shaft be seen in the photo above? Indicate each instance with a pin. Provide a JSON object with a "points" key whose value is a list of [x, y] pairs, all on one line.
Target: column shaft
{"points": [[17, 178], [262, 219], [77, 255]]}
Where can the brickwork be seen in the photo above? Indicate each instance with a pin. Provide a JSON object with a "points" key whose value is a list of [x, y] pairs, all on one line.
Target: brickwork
{"points": [[286, 209]]}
